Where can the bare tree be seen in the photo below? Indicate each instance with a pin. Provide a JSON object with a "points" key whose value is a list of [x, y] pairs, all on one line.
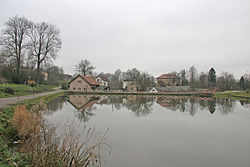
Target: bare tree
{"points": [[115, 82], [192, 76], [14, 39], [84, 67], [183, 76], [226, 81], [203, 80], [45, 44]]}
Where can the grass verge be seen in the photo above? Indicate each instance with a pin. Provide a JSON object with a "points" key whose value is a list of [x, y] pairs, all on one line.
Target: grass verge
{"points": [[242, 95], [21, 89], [8, 156]]}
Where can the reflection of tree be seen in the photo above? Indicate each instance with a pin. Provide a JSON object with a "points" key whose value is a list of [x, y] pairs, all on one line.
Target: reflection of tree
{"points": [[203, 104], [141, 106], [116, 102], [245, 104], [192, 106], [212, 106], [55, 105], [226, 105], [85, 114], [183, 104]]}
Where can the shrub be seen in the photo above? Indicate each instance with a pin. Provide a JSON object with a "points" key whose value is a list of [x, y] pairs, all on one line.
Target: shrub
{"points": [[66, 150], [25, 122], [65, 86], [9, 90]]}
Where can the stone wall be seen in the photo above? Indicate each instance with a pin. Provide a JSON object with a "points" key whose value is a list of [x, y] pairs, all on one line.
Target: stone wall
{"points": [[80, 85]]}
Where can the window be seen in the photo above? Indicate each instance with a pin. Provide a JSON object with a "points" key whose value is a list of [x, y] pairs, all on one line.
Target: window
{"points": [[74, 88], [79, 89], [79, 81]]}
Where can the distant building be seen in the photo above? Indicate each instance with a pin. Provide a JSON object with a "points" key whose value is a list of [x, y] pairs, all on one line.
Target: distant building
{"points": [[104, 82], [131, 88], [125, 83], [168, 80], [153, 90], [82, 83], [129, 85]]}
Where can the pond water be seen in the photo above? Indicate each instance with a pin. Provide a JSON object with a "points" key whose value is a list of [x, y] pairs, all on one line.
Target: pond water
{"points": [[162, 131]]}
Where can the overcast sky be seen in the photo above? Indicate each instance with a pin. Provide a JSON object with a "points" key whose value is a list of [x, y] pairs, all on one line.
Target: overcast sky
{"points": [[157, 36]]}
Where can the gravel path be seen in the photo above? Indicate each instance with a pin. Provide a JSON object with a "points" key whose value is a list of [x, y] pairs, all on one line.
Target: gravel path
{"points": [[5, 102]]}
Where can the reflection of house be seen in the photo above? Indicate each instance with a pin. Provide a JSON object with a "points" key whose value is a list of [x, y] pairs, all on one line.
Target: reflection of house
{"points": [[129, 85], [83, 83], [81, 102], [167, 102], [104, 82], [168, 80]]}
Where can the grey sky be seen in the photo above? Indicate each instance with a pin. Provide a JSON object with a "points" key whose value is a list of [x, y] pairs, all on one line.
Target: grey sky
{"points": [[158, 36]]}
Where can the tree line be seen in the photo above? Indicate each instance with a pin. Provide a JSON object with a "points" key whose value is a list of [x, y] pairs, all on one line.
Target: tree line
{"points": [[190, 77], [142, 79], [210, 80], [26, 47]]}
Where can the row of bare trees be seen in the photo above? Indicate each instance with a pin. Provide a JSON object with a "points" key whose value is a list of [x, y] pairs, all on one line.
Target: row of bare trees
{"points": [[26, 44], [190, 77], [204, 80]]}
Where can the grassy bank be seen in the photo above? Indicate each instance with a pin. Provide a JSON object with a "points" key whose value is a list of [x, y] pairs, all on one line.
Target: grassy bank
{"points": [[8, 155], [21, 89], [242, 95]]}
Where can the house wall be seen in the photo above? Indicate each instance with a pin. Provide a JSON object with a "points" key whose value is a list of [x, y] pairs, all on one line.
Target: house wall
{"points": [[125, 84], [131, 88], [80, 85], [168, 82], [102, 82]]}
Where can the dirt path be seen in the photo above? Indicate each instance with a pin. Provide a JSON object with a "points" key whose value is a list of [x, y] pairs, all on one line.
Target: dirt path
{"points": [[5, 102]]}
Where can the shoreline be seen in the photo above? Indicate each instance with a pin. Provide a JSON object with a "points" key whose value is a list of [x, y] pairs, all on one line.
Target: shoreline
{"points": [[199, 94]]}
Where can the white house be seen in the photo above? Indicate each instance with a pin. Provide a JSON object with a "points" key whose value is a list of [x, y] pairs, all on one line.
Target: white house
{"points": [[153, 90]]}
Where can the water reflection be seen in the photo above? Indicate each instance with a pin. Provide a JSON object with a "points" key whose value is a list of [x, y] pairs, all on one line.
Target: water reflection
{"points": [[84, 105], [139, 105], [55, 105], [245, 104], [142, 105]]}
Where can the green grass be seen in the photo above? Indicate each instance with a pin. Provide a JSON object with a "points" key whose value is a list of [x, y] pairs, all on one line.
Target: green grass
{"points": [[242, 95], [21, 89], [8, 155]]}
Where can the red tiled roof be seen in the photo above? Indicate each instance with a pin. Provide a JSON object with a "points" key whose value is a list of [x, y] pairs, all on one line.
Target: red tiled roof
{"points": [[167, 76], [90, 80]]}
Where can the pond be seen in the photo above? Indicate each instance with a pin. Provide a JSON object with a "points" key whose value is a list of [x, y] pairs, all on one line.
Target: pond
{"points": [[147, 131]]}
